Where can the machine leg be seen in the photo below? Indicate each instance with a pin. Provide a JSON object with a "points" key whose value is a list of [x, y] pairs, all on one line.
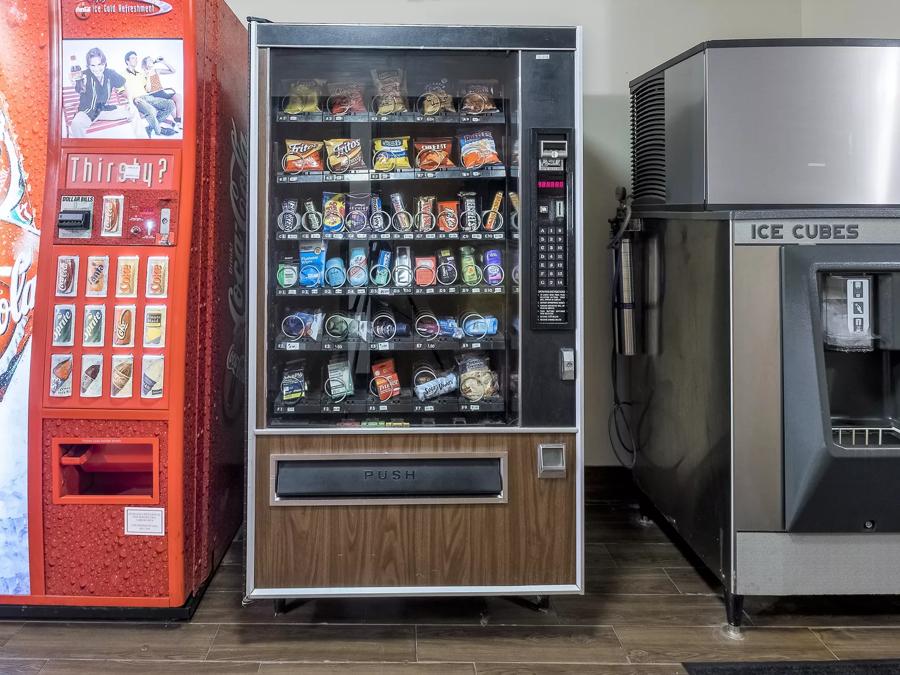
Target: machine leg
{"points": [[645, 511], [734, 609], [283, 606], [540, 603]]}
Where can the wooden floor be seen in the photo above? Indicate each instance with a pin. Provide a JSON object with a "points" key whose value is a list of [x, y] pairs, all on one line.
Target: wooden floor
{"points": [[647, 610]]}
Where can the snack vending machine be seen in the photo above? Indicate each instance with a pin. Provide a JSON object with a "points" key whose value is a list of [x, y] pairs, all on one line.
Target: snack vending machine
{"points": [[121, 304], [415, 296]]}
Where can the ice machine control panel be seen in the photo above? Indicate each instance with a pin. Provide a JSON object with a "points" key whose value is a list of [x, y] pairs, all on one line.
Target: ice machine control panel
{"points": [[553, 228]]}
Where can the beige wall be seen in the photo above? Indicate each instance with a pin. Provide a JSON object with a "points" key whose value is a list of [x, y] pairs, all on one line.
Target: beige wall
{"points": [[623, 38]]}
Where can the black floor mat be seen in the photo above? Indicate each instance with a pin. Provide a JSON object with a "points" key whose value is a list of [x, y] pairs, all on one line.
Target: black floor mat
{"points": [[890, 667]]}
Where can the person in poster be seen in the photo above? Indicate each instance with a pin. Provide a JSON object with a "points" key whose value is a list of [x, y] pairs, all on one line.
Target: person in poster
{"points": [[94, 89], [152, 106], [153, 69]]}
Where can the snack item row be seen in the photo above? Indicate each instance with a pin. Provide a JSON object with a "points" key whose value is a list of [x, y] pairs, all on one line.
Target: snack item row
{"points": [[361, 212], [474, 150], [91, 378], [384, 325], [388, 95], [471, 376], [94, 326], [97, 276], [380, 264]]}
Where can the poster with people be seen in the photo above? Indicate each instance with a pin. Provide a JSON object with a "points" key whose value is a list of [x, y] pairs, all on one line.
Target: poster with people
{"points": [[123, 88]]}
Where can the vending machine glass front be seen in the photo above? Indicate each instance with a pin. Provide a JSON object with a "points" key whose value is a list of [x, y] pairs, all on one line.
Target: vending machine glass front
{"points": [[391, 241]]}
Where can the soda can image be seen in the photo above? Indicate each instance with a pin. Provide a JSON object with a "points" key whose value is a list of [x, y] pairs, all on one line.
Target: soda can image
{"points": [[127, 276], [92, 375], [122, 380], [152, 376], [155, 326], [67, 276], [123, 326], [111, 216], [93, 326], [97, 277], [63, 326], [157, 277], [61, 366]]}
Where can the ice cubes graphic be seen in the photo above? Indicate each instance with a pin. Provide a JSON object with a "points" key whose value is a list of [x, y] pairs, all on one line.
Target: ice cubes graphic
{"points": [[14, 577]]}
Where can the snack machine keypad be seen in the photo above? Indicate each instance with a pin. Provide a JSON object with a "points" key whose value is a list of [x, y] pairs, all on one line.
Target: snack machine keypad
{"points": [[551, 233]]}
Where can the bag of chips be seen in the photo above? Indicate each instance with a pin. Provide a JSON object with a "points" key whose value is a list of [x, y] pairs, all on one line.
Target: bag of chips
{"points": [[436, 98], [390, 88], [477, 96], [476, 379], [389, 154], [334, 208], [302, 156], [294, 384], [433, 153], [303, 97], [385, 383], [358, 204], [477, 149], [346, 98], [344, 154]]}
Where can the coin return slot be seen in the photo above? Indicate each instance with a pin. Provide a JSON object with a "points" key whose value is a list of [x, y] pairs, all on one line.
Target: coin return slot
{"points": [[448, 479], [103, 472], [551, 460]]}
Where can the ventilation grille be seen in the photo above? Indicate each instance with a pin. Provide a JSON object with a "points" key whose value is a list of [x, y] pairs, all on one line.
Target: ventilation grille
{"points": [[648, 141]]}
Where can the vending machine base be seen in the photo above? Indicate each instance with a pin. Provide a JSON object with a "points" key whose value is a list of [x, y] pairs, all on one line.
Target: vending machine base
{"points": [[449, 514]]}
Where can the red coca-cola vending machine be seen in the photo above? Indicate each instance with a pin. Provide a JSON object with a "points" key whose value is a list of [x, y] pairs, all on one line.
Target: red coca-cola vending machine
{"points": [[122, 238]]}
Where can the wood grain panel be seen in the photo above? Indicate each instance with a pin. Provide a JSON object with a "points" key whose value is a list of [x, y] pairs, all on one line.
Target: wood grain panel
{"points": [[529, 540]]}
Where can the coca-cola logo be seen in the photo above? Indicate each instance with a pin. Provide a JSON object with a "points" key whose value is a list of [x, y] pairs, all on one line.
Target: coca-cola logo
{"points": [[20, 302], [123, 327], [65, 275], [235, 365], [126, 284], [157, 279]]}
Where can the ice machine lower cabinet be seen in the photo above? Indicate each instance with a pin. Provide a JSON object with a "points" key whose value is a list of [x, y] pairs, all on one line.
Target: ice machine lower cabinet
{"points": [[424, 513], [841, 342]]}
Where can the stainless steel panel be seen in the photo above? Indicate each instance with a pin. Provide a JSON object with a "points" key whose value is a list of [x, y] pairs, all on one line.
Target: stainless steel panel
{"points": [[775, 563], [685, 106], [681, 394], [803, 125], [756, 388]]}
